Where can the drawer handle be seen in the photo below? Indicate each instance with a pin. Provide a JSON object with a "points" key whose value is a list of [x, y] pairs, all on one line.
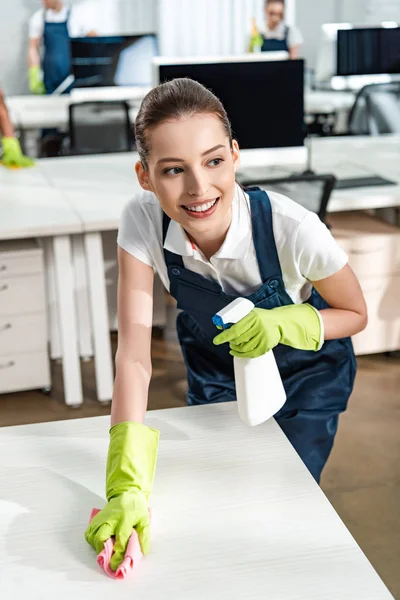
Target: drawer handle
{"points": [[11, 363], [3, 268], [5, 327], [3, 288]]}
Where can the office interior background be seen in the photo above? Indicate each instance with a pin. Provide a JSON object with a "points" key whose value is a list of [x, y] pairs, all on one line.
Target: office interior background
{"points": [[335, 133]]}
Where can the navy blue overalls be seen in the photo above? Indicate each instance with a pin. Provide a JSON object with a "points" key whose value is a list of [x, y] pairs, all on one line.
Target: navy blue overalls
{"points": [[317, 384], [56, 63], [274, 45]]}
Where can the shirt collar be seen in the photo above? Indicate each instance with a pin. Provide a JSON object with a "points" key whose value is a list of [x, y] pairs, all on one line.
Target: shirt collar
{"points": [[237, 240], [277, 32]]}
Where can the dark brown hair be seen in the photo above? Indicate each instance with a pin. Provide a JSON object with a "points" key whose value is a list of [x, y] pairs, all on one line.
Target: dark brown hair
{"points": [[172, 100], [267, 2]]}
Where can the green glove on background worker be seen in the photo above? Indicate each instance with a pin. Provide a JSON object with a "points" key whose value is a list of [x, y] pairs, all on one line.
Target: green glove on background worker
{"points": [[12, 154], [36, 84], [295, 325], [131, 464]]}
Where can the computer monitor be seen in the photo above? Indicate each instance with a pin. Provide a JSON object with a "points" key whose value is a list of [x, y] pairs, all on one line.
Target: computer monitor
{"points": [[118, 60], [264, 98], [368, 51]]}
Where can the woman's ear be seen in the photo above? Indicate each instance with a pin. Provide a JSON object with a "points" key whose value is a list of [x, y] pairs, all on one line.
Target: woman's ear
{"points": [[235, 154], [143, 177]]}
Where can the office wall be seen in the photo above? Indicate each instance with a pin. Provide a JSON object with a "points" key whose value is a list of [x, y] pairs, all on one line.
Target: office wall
{"points": [[108, 17]]}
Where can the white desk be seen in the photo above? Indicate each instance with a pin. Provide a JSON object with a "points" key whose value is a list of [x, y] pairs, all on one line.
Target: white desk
{"points": [[36, 112], [96, 188], [35, 211], [236, 515]]}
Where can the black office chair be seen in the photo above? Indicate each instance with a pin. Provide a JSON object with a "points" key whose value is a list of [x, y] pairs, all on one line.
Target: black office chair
{"points": [[310, 190], [376, 110], [99, 127]]}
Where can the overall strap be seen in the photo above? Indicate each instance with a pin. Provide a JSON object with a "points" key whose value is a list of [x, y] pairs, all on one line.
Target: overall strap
{"points": [[263, 234]]}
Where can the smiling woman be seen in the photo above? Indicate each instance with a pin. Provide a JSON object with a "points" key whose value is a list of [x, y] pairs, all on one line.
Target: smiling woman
{"points": [[212, 242]]}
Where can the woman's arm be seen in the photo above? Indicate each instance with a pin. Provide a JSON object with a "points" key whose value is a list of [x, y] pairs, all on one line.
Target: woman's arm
{"points": [[6, 127], [294, 52], [348, 313], [133, 358]]}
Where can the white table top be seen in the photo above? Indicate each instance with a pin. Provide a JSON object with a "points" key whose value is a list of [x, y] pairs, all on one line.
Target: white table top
{"points": [[35, 112], [98, 187], [34, 211], [94, 189], [235, 515]]}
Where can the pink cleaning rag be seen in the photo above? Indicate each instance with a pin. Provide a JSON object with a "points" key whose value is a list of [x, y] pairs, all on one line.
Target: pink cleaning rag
{"points": [[132, 557]]}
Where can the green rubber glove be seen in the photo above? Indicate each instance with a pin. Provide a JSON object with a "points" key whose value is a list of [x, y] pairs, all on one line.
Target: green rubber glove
{"points": [[12, 154], [36, 84], [295, 325], [131, 464]]}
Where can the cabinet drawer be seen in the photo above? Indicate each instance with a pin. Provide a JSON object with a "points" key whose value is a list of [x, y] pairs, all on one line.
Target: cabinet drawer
{"points": [[373, 247], [22, 295], [20, 257], [23, 334], [24, 372], [15, 267], [382, 333]]}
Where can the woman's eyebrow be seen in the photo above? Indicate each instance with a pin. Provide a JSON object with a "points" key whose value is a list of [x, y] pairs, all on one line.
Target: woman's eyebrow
{"points": [[174, 159]]}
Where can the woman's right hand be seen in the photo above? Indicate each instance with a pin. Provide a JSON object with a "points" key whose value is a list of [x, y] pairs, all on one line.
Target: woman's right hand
{"points": [[118, 518], [131, 464]]}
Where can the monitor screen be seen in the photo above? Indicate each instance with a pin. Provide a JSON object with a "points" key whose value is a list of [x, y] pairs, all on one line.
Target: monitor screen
{"points": [[263, 99], [369, 51], [124, 60]]}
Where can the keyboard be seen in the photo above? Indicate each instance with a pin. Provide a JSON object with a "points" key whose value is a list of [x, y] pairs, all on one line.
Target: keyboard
{"points": [[368, 181]]}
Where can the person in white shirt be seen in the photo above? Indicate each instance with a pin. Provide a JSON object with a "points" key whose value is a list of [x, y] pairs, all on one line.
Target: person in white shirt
{"points": [[211, 242], [52, 27], [278, 35]]}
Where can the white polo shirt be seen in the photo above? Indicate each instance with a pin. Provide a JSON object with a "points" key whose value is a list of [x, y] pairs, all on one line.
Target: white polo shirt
{"points": [[278, 33], [306, 249], [78, 23]]}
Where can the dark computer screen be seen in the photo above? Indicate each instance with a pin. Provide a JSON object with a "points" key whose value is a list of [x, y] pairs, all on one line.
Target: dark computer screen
{"points": [[369, 51], [264, 100], [113, 60]]}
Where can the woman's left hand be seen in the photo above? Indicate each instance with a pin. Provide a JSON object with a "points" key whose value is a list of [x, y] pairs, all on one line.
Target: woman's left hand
{"points": [[295, 325]]}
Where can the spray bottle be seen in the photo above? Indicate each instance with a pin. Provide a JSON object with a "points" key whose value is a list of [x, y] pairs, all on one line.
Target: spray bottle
{"points": [[259, 388], [256, 40]]}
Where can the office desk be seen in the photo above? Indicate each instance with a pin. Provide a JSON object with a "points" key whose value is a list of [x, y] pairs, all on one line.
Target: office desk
{"points": [[95, 188], [36, 112], [236, 515], [98, 187], [34, 211]]}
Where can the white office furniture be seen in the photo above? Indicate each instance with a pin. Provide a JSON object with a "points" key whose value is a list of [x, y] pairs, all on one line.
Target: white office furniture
{"points": [[34, 211], [86, 195], [24, 360], [235, 515], [373, 248], [36, 112]]}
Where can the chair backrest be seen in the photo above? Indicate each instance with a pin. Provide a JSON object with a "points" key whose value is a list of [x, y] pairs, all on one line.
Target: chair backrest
{"points": [[100, 127], [376, 110], [310, 190]]}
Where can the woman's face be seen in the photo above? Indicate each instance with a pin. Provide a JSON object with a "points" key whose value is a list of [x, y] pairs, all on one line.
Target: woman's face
{"points": [[191, 170], [274, 12]]}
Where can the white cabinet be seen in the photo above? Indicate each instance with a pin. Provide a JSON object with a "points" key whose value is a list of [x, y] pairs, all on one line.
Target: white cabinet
{"points": [[24, 361], [373, 247]]}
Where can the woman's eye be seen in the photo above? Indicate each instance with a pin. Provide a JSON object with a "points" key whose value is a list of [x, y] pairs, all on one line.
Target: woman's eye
{"points": [[215, 162], [173, 171]]}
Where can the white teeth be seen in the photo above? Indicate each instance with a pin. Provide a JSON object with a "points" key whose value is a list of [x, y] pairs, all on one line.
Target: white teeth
{"points": [[202, 207]]}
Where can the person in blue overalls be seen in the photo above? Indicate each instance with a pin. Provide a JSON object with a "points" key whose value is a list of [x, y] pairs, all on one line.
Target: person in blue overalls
{"points": [[53, 26], [211, 241], [277, 35]]}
